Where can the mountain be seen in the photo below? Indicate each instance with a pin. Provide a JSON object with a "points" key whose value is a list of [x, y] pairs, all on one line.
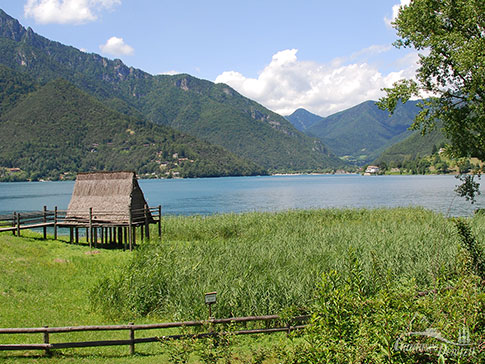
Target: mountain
{"points": [[213, 112], [414, 146], [57, 128], [303, 119], [361, 133]]}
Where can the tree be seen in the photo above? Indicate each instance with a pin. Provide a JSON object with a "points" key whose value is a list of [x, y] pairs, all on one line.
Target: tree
{"points": [[450, 36]]}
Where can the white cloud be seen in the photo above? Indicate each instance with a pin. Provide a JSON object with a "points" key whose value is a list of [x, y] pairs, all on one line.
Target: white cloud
{"points": [[116, 47], [66, 11], [288, 83], [395, 12], [170, 73]]}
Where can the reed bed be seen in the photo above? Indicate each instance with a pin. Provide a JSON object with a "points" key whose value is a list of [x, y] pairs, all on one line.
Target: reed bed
{"points": [[265, 263]]}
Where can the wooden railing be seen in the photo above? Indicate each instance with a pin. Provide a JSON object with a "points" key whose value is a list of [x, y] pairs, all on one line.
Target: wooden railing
{"points": [[294, 323], [18, 221], [106, 222]]}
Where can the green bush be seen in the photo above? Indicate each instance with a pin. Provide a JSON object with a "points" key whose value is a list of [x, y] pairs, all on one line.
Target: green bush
{"points": [[353, 323]]}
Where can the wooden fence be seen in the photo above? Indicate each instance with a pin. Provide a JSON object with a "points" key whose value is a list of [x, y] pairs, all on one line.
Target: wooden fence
{"points": [[295, 323], [18, 221], [104, 228]]}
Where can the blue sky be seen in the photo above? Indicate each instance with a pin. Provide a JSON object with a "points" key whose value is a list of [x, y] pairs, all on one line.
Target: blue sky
{"points": [[322, 55]]}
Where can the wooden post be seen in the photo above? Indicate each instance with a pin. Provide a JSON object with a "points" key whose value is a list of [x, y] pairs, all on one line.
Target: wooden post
{"points": [[142, 235], [14, 222], [87, 236], [44, 219], [71, 234], [132, 339], [46, 341], [101, 232], [90, 237], [120, 235], [147, 223], [18, 223], [55, 223], [130, 230], [95, 237], [125, 233], [160, 221], [77, 235]]}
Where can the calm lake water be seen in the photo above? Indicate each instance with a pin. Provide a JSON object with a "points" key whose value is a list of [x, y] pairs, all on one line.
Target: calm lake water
{"points": [[268, 193]]}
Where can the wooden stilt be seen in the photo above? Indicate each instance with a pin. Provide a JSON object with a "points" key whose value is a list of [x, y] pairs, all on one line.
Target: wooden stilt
{"points": [[147, 223], [133, 240], [120, 235], [95, 237], [90, 227], [130, 231]]}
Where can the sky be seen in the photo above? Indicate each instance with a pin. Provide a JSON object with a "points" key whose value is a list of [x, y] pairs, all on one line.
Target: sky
{"points": [[321, 55]]}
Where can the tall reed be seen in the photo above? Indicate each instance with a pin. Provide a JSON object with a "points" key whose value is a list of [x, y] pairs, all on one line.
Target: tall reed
{"points": [[262, 263]]}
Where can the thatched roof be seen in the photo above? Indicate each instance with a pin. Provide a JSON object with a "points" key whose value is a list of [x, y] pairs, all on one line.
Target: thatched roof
{"points": [[111, 195]]}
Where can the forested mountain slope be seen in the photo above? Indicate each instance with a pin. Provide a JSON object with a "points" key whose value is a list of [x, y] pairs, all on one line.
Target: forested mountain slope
{"points": [[213, 112]]}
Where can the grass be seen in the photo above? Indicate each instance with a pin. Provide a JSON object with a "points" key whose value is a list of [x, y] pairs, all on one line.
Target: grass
{"points": [[47, 282], [258, 263]]}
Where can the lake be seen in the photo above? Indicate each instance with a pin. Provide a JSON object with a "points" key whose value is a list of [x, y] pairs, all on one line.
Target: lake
{"points": [[204, 196]]}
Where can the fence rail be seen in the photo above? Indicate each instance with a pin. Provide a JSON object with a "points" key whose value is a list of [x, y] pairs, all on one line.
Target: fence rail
{"points": [[47, 332]]}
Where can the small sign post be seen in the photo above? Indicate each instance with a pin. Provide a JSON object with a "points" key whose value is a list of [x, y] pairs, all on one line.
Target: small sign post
{"points": [[210, 299]]}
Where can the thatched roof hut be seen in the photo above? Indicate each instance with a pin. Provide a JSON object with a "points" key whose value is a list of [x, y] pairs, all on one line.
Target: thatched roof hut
{"points": [[111, 196]]}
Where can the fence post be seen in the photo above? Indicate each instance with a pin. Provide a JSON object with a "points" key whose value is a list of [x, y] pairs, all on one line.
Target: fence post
{"points": [[46, 340], [132, 339], [55, 223], [90, 236], [44, 220], [18, 223], [160, 221], [14, 222]]}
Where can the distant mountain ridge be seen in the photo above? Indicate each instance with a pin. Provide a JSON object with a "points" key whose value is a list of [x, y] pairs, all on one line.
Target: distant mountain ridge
{"points": [[361, 133], [56, 128], [303, 119], [212, 112]]}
